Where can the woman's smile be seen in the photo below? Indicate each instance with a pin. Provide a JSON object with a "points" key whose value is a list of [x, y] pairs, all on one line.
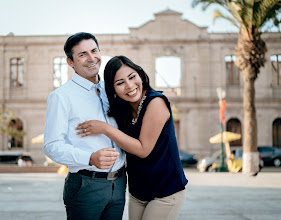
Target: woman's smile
{"points": [[132, 93]]}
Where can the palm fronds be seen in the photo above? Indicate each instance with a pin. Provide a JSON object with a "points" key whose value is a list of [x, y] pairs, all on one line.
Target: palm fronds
{"points": [[249, 15], [217, 14]]}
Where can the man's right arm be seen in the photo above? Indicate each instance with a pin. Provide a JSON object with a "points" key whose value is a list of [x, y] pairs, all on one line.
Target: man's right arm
{"points": [[56, 128]]}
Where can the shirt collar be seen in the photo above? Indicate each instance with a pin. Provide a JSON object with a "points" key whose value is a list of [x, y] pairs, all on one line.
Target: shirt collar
{"points": [[84, 83]]}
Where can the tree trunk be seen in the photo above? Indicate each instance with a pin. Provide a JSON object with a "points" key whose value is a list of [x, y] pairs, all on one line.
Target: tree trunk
{"points": [[250, 154], [250, 54]]}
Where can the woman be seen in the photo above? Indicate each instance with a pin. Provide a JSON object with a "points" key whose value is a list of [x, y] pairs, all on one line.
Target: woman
{"points": [[155, 174]]}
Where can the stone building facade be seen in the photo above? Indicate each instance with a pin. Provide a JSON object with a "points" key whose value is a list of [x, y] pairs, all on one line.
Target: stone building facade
{"points": [[33, 66]]}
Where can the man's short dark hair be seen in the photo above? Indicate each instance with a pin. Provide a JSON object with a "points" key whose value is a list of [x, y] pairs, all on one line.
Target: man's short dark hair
{"points": [[75, 39]]}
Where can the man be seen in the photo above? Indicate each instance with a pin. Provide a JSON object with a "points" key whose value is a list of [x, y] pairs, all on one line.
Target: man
{"points": [[95, 185]]}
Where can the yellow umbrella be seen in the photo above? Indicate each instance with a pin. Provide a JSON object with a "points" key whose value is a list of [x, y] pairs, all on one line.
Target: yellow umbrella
{"points": [[233, 165], [38, 139], [227, 137]]}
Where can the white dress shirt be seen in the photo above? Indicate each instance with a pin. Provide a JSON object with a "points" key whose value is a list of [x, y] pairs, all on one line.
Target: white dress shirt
{"points": [[75, 102]]}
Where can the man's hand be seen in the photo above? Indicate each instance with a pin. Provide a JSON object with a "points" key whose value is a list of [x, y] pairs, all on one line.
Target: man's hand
{"points": [[104, 158]]}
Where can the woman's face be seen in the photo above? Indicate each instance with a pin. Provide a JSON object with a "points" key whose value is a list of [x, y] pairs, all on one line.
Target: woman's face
{"points": [[128, 84]]}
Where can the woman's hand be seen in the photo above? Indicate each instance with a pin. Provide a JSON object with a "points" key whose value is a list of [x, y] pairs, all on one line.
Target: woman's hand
{"points": [[91, 127]]}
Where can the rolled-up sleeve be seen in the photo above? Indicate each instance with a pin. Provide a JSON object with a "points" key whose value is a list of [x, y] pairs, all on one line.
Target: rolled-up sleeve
{"points": [[55, 133]]}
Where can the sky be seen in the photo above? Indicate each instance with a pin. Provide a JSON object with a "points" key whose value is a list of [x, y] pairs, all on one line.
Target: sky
{"points": [[60, 17]]}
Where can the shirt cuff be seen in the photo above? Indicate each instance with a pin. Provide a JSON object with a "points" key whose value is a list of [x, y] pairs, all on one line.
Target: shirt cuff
{"points": [[84, 157]]}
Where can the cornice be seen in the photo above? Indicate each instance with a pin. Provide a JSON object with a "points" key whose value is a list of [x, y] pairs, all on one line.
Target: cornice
{"points": [[131, 39]]}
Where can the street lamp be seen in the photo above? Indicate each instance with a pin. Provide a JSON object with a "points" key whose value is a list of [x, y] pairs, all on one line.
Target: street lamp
{"points": [[221, 96]]}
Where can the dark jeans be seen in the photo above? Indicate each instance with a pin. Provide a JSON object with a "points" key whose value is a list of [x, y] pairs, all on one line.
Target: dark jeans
{"points": [[90, 198]]}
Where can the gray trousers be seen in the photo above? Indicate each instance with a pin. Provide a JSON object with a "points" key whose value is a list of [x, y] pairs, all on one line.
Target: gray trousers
{"points": [[90, 198]]}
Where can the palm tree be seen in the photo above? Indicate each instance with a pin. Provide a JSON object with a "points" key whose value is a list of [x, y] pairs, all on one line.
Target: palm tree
{"points": [[250, 16]]}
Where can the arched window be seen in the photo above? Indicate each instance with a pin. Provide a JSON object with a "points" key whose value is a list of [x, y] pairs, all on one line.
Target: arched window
{"points": [[234, 125], [16, 133], [276, 133], [167, 72]]}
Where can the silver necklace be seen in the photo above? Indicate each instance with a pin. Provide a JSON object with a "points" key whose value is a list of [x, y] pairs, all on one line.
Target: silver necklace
{"points": [[134, 120]]}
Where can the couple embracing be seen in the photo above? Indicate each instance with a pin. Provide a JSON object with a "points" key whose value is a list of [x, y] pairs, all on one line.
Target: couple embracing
{"points": [[93, 127]]}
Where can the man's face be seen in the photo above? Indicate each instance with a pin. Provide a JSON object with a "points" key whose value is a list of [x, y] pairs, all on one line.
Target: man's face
{"points": [[86, 60]]}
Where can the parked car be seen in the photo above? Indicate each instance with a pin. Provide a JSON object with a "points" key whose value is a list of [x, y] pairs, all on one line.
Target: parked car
{"points": [[270, 155], [187, 159], [205, 164], [15, 157]]}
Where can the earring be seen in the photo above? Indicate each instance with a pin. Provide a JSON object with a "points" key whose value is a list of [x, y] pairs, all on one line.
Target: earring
{"points": [[114, 96]]}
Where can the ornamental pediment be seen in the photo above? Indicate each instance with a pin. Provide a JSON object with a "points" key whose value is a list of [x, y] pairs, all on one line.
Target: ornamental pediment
{"points": [[168, 24]]}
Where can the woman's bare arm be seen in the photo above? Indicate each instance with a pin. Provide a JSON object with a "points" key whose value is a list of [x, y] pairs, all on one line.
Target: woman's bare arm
{"points": [[155, 117]]}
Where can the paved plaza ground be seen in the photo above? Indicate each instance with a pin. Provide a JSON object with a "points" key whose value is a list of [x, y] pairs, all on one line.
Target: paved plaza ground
{"points": [[210, 196]]}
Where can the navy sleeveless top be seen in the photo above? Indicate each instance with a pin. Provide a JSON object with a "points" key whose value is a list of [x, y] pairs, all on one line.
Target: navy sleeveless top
{"points": [[160, 174]]}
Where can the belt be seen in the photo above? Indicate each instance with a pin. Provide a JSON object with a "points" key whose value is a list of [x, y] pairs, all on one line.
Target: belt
{"points": [[109, 176]]}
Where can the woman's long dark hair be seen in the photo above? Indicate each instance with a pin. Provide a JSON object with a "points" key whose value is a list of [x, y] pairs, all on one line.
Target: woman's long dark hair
{"points": [[118, 108]]}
